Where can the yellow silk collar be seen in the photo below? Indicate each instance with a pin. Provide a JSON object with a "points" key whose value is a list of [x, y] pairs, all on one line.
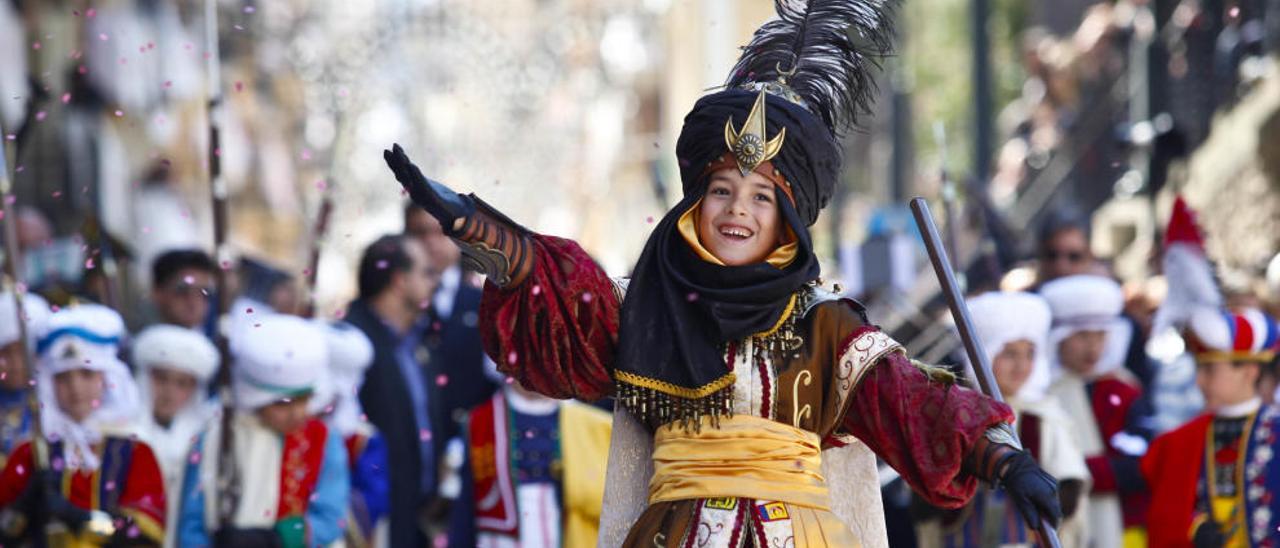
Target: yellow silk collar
{"points": [[779, 258]]}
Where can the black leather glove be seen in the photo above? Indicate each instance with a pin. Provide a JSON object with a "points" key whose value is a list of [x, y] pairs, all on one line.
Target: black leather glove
{"points": [[440, 201], [233, 537], [1033, 491], [44, 498], [1208, 535]]}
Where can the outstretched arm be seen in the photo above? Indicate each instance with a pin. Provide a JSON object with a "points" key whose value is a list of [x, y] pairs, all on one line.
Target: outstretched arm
{"points": [[942, 438], [549, 317]]}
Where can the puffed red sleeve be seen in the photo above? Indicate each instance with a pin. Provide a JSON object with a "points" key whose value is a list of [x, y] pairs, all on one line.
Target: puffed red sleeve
{"points": [[556, 331], [16, 473], [924, 429], [143, 499]]}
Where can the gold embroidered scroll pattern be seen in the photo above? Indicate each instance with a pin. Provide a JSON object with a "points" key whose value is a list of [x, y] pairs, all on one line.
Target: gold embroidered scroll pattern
{"points": [[864, 351], [800, 413]]}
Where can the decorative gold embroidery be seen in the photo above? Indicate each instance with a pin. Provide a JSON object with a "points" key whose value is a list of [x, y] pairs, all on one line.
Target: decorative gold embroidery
{"points": [[723, 503], [800, 413], [867, 349]]}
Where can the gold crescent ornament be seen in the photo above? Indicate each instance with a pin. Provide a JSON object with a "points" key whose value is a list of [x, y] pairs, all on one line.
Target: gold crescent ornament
{"points": [[748, 144]]}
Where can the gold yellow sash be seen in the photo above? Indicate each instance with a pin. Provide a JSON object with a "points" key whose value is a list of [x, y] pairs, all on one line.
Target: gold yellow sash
{"points": [[746, 457]]}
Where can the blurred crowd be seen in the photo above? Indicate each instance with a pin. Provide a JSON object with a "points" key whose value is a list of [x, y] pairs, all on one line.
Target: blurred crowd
{"points": [[199, 400]]}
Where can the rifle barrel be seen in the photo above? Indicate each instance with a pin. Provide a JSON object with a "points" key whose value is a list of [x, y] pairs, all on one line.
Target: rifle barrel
{"points": [[978, 366]]}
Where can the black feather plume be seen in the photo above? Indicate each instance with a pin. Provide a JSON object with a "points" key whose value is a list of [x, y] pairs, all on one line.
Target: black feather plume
{"points": [[825, 50]]}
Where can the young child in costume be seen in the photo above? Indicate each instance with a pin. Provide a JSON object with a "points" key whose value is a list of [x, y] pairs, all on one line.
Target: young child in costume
{"points": [[15, 414], [721, 348], [1214, 479], [99, 483], [1014, 329], [173, 365], [537, 470], [292, 469], [1102, 399], [350, 354]]}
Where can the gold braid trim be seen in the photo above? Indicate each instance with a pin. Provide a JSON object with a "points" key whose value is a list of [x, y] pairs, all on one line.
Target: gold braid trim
{"points": [[1263, 356], [786, 313], [674, 390]]}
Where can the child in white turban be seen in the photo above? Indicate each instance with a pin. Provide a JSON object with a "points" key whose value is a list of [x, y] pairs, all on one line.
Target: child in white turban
{"points": [[1014, 329], [292, 469], [173, 366], [95, 466], [1104, 401]]}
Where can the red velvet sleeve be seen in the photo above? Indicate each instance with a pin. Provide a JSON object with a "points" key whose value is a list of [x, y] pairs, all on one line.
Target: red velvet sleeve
{"points": [[143, 498], [17, 471], [556, 331], [1111, 401], [924, 429]]}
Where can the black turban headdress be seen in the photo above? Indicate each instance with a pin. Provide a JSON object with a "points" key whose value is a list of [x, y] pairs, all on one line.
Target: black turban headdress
{"points": [[813, 65]]}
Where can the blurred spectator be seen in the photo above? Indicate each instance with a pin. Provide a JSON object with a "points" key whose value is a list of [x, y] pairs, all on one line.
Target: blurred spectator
{"points": [[396, 281], [1063, 247], [450, 344], [173, 366], [1063, 250], [87, 400], [182, 287], [34, 229], [1105, 405], [15, 415], [291, 467], [266, 288]]}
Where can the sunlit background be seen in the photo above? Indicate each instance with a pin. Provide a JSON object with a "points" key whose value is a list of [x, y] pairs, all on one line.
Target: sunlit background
{"points": [[564, 114]]}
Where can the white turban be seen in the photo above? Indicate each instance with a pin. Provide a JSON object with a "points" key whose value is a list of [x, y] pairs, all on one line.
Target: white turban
{"points": [[85, 337], [35, 311], [1000, 318], [280, 357], [178, 348], [1088, 303], [350, 354]]}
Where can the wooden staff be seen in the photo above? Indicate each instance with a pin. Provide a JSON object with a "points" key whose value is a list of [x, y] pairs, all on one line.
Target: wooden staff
{"points": [[228, 480], [313, 262], [978, 366]]}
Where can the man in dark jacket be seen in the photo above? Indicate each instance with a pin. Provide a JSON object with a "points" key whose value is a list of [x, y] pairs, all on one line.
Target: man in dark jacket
{"points": [[395, 284], [422, 379], [451, 348]]}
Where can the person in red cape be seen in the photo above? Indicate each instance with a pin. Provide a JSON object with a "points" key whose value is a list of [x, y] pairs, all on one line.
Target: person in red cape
{"points": [[749, 399], [100, 486], [1213, 480]]}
